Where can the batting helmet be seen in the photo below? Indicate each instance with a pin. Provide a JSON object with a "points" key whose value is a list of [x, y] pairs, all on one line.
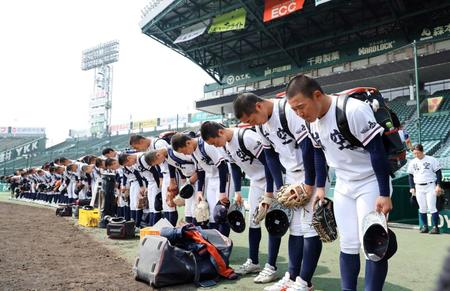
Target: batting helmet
{"points": [[278, 219], [158, 202], [186, 191], [379, 242], [220, 212], [236, 217]]}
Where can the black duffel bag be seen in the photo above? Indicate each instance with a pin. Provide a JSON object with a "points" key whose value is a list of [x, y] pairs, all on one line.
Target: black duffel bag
{"points": [[177, 259], [119, 228], [64, 210]]}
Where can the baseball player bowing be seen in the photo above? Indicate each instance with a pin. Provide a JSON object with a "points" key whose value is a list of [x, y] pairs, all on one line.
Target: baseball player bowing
{"points": [[362, 174], [215, 169], [149, 188], [188, 169], [425, 179], [245, 152], [281, 129], [143, 144]]}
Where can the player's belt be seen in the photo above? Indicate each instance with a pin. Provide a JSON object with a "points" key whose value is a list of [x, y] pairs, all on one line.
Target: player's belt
{"points": [[424, 184]]}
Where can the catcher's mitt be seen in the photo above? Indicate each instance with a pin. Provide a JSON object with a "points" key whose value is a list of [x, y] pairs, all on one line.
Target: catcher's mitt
{"points": [[323, 220], [293, 196], [261, 210]]}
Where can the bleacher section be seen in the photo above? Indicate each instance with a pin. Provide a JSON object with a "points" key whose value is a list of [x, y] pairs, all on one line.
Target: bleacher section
{"points": [[7, 143], [403, 111], [434, 127]]}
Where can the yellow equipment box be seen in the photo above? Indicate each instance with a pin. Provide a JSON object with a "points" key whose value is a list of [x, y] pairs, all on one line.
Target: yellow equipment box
{"points": [[89, 218], [148, 231]]}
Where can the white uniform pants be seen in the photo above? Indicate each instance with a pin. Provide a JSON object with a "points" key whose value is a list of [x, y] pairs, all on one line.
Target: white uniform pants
{"points": [[71, 189], [352, 202], [257, 189], [134, 192], [301, 224], [165, 184], [190, 204], [426, 198], [152, 191]]}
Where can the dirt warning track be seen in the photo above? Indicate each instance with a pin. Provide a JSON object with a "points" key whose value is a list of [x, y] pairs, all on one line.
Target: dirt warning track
{"points": [[39, 251]]}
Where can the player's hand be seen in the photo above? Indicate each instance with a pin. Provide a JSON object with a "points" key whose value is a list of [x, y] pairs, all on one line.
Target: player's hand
{"points": [[172, 185], [199, 196], [223, 198], [192, 179], [383, 204], [412, 191], [320, 194], [142, 191], [309, 189], [238, 198], [438, 190]]}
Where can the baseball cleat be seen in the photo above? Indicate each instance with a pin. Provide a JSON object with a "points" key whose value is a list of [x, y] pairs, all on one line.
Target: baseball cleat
{"points": [[268, 274], [282, 285], [248, 268]]}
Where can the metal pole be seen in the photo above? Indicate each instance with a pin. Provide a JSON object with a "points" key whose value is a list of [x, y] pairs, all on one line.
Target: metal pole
{"points": [[416, 73]]}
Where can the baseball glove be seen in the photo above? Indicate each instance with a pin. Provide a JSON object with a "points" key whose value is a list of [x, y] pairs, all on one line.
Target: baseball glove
{"points": [[202, 212], [262, 209], [293, 196], [323, 220], [142, 202]]}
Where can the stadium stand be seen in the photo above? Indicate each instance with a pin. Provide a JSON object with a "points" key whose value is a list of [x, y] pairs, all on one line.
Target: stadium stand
{"points": [[7, 143], [398, 105], [434, 127]]}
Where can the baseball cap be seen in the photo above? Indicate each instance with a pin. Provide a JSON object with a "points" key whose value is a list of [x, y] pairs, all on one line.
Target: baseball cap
{"points": [[378, 240]]}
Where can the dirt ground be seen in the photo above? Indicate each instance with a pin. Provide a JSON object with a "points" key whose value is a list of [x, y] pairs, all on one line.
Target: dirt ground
{"points": [[39, 251]]}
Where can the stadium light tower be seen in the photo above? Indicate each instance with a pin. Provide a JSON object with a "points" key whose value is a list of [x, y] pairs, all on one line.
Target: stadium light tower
{"points": [[100, 58]]}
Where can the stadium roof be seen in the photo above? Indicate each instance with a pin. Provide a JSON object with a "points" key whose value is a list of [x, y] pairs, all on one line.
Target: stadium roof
{"points": [[286, 39]]}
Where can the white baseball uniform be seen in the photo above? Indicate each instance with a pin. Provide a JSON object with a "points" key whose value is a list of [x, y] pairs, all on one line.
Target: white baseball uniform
{"points": [[210, 166], [132, 184], [291, 159], [159, 143], [187, 167], [424, 172], [152, 184], [252, 167], [356, 187]]}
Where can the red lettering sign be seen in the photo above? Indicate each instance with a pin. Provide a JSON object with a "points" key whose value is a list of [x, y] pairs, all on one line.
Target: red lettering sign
{"points": [[274, 9]]}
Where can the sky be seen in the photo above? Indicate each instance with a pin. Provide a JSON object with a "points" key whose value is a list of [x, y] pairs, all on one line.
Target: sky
{"points": [[42, 84]]}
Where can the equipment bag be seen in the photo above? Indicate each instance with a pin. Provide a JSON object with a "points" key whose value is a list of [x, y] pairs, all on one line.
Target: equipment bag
{"points": [[64, 210], [393, 145], [119, 228], [177, 259]]}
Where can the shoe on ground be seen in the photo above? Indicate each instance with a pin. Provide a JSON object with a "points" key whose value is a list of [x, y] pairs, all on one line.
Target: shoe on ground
{"points": [[424, 229], [282, 285], [248, 268], [300, 285], [435, 230], [268, 274]]}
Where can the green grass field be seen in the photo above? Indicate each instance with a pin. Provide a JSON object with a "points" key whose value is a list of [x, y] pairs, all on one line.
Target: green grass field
{"points": [[416, 265]]}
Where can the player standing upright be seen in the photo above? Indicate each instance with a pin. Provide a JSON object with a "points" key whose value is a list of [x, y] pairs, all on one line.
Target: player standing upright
{"points": [[425, 180]]}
